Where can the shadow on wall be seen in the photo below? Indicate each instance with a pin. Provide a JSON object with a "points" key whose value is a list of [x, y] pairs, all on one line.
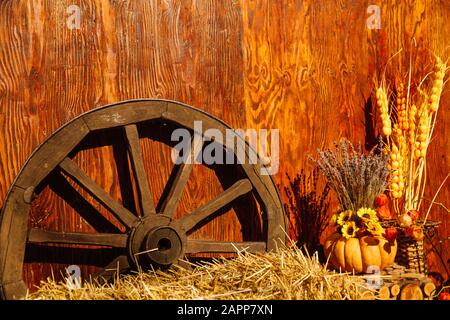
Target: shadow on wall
{"points": [[307, 211]]}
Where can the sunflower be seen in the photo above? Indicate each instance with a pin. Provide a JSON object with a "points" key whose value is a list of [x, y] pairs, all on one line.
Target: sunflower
{"points": [[349, 229], [367, 214], [344, 216], [375, 228]]}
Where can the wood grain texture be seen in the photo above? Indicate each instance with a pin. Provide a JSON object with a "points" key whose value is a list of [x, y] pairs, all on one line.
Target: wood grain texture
{"points": [[311, 67], [305, 67]]}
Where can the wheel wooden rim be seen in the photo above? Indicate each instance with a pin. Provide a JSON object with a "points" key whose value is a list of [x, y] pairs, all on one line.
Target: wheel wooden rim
{"points": [[153, 226]]}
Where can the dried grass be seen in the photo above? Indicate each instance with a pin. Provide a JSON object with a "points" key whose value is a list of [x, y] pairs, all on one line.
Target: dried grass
{"points": [[356, 178], [286, 273]]}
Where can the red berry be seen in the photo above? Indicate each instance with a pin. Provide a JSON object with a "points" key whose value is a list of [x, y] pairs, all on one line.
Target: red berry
{"points": [[405, 220], [444, 296], [414, 214], [415, 232], [381, 200], [383, 213], [418, 233], [390, 234], [409, 231]]}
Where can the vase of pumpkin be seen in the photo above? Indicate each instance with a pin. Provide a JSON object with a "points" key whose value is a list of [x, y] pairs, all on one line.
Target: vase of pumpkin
{"points": [[360, 243]]}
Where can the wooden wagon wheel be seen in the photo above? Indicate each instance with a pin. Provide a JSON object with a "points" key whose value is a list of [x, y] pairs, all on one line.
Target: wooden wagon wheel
{"points": [[154, 235]]}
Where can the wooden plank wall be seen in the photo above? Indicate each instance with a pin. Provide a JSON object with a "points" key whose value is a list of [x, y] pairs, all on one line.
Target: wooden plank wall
{"points": [[305, 67]]}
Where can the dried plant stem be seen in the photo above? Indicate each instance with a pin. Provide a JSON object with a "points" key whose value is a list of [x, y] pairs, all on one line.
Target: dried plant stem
{"points": [[408, 199], [409, 190], [388, 61], [396, 205], [409, 77], [356, 178], [434, 198], [285, 273], [420, 173], [422, 192], [440, 204]]}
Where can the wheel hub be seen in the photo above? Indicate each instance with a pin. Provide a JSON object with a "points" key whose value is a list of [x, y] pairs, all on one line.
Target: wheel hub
{"points": [[163, 245], [155, 242]]}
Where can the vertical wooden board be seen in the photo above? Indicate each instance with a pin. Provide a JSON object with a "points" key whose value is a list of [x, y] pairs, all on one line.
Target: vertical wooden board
{"points": [[146, 44], [64, 70], [187, 51], [438, 212], [266, 79], [64, 82], [215, 37], [420, 29], [18, 118], [143, 62], [303, 75], [438, 164]]}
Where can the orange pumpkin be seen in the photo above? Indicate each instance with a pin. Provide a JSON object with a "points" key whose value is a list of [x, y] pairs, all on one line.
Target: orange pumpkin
{"points": [[357, 254]]}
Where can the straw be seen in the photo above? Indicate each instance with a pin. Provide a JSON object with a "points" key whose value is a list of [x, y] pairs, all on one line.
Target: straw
{"points": [[286, 273]]}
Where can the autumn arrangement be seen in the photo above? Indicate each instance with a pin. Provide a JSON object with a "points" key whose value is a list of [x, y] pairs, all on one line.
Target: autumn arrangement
{"points": [[357, 180], [408, 115], [391, 177]]}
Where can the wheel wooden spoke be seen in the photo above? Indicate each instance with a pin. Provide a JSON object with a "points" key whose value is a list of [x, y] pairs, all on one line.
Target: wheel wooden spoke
{"points": [[66, 191], [205, 246], [182, 172], [145, 197], [76, 174], [236, 190], [99, 239]]}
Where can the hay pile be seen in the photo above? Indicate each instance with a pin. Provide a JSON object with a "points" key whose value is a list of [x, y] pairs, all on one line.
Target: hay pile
{"points": [[284, 274]]}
